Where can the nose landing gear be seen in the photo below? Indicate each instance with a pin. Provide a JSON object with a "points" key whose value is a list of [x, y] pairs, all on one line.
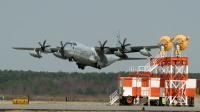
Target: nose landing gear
{"points": [[71, 59]]}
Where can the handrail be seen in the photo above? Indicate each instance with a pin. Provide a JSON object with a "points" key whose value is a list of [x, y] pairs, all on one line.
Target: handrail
{"points": [[113, 97]]}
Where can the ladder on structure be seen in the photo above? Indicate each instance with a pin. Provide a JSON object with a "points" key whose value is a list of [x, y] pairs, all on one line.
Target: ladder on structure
{"points": [[149, 67], [152, 64], [114, 97]]}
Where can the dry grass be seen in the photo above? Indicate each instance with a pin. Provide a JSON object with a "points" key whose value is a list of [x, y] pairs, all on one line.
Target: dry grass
{"points": [[72, 98]]}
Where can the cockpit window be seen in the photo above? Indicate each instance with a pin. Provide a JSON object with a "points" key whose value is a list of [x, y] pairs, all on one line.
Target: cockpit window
{"points": [[73, 43]]}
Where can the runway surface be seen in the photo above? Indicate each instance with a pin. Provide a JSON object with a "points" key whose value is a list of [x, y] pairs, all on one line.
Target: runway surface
{"points": [[91, 108], [85, 106]]}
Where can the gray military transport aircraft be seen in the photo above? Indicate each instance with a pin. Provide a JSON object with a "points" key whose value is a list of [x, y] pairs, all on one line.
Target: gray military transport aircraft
{"points": [[97, 57]]}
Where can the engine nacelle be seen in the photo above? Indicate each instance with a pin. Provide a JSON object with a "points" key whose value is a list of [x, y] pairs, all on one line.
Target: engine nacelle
{"points": [[35, 54], [118, 53], [106, 50], [59, 55], [145, 52], [47, 50], [128, 49], [93, 59]]}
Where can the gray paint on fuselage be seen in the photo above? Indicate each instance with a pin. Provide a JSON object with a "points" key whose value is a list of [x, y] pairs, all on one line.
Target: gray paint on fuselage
{"points": [[81, 54]]}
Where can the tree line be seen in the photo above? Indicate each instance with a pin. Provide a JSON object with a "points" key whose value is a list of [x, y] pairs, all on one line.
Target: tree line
{"points": [[57, 83], [60, 83]]}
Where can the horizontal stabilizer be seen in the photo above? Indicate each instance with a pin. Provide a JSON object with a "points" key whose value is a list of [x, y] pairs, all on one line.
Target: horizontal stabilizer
{"points": [[132, 58]]}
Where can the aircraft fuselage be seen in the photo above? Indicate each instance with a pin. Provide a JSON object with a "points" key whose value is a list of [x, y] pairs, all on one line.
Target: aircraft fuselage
{"points": [[85, 55]]}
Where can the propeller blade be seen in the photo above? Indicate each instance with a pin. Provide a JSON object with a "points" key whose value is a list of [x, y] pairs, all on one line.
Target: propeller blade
{"points": [[120, 42], [40, 43], [44, 42], [47, 46], [65, 44], [124, 41], [102, 46], [127, 45], [105, 43], [100, 43], [61, 43]]}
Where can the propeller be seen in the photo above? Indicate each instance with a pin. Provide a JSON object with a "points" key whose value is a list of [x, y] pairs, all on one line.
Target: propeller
{"points": [[102, 46], [62, 46], [124, 45], [61, 51], [43, 45]]}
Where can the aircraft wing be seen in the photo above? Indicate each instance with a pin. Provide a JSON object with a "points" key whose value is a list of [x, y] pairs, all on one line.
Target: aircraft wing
{"points": [[25, 48], [108, 50], [37, 49], [138, 48], [111, 50]]}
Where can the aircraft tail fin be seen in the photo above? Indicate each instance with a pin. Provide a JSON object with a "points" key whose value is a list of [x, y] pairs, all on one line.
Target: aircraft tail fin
{"points": [[116, 38]]}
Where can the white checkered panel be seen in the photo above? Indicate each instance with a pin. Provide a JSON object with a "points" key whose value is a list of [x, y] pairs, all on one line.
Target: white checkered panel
{"points": [[127, 91], [191, 83], [144, 91], [155, 82], [136, 82]]}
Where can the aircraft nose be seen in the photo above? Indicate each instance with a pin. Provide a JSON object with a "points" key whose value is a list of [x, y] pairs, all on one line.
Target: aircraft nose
{"points": [[68, 51]]}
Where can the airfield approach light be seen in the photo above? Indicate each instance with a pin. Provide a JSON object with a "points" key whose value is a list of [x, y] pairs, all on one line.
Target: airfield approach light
{"points": [[180, 43], [165, 44]]}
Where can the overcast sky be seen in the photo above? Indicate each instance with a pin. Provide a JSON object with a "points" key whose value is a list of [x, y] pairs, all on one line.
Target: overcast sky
{"points": [[24, 22]]}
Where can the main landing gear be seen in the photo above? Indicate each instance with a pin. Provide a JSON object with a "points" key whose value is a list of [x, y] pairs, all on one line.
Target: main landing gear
{"points": [[98, 66], [71, 59], [80, 66]]}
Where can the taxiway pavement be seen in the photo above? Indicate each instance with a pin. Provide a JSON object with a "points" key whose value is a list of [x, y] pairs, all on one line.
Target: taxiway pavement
{"points": [[92, 108]]}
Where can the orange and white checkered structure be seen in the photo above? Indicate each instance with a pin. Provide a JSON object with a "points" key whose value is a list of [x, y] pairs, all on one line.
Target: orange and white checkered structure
{"points": [[161, 77], [144, 87], [154, 87]]}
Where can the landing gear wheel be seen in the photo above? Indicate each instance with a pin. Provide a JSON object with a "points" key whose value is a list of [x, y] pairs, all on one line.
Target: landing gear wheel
{"points": [[83, 67], [71, 59], [99, 67], [80, 66], [96, 65]]}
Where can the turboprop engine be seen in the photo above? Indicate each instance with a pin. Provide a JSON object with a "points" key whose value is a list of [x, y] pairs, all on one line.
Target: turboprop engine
{"points": [[145, 52], [59, 55], [165, 44], [180, 43], [118, 53], [35, 54]]}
